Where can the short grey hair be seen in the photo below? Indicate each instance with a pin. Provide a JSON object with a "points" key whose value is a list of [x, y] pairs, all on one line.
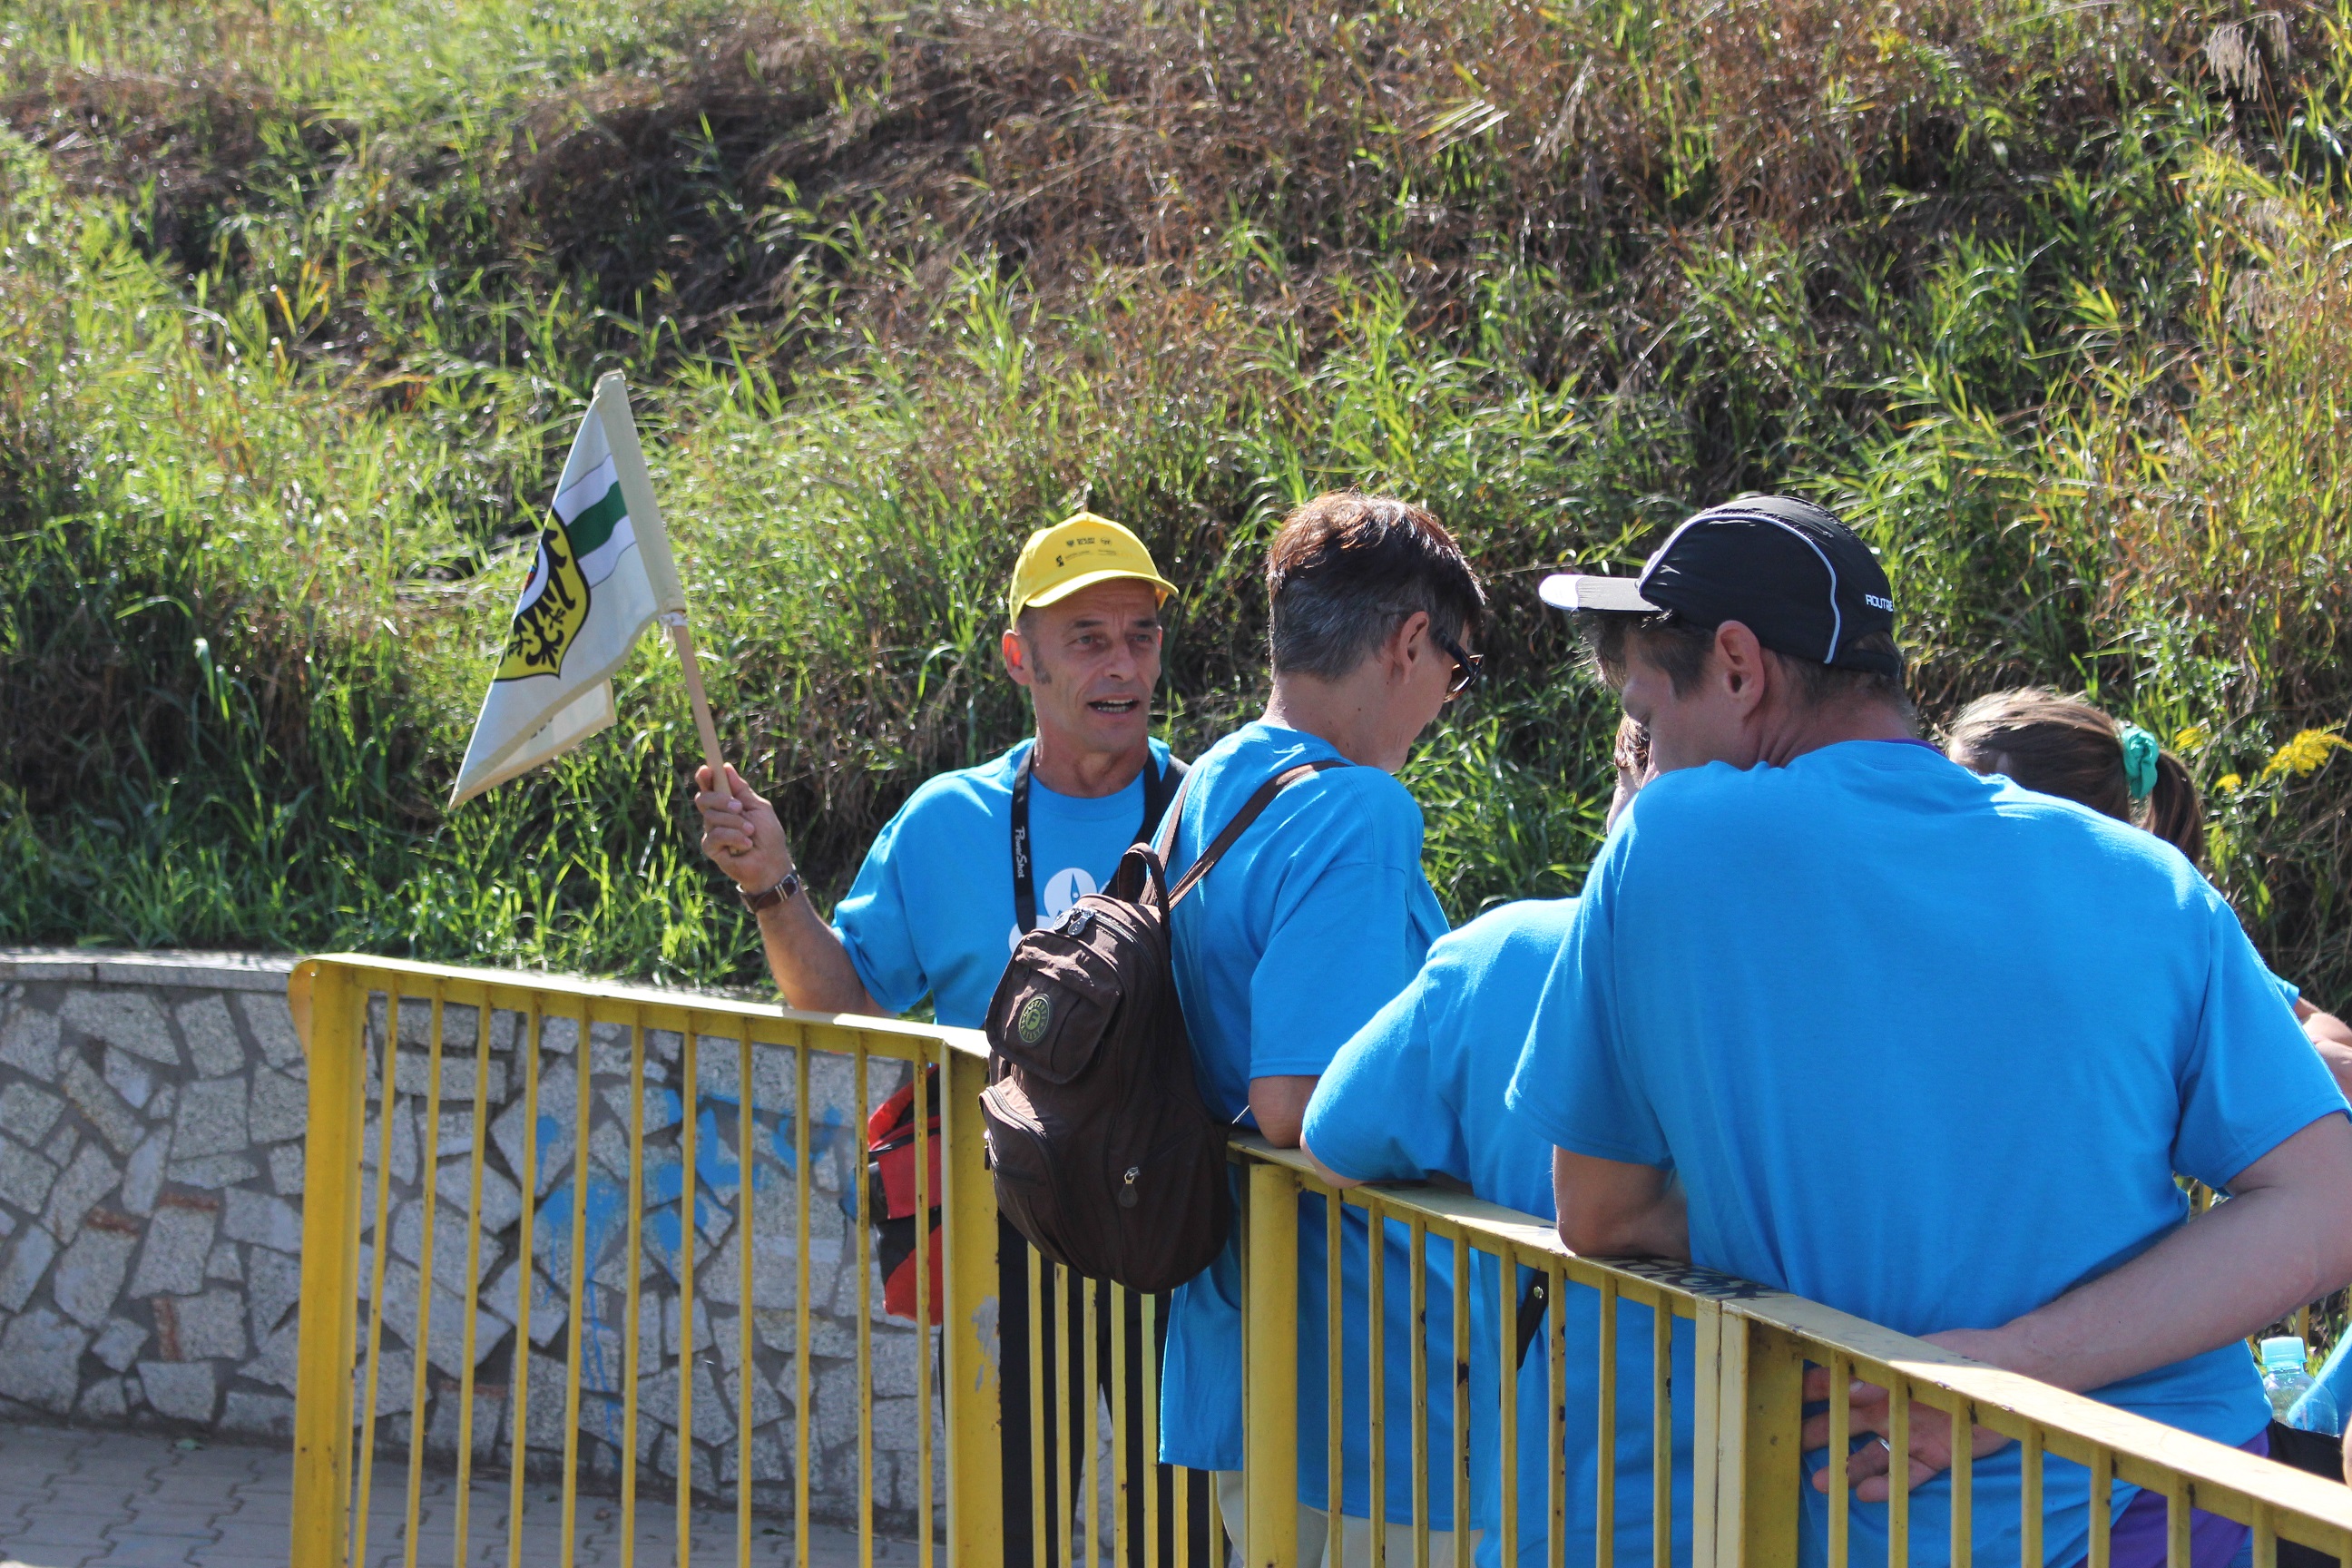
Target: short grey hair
{"points": [[1345, 568]]}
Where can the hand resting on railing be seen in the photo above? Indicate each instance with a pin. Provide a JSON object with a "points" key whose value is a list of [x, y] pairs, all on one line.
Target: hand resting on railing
{"points": [[1931, 1429], [2285, 1238]]}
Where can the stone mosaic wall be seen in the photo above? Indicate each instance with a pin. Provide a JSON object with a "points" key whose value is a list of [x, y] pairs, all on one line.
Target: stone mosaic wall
{"points": [[151, 1140], [152, 1118]]}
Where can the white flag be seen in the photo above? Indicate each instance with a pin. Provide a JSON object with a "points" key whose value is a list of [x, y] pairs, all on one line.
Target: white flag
{"points": [[602, 572]]}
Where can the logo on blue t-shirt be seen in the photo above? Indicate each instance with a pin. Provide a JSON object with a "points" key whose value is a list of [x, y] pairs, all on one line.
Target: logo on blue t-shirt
{"points": [[1055, 894], [1063, 889]]}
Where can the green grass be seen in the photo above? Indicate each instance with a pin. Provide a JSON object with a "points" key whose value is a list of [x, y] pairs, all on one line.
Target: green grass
{"points": [[300, 304]]}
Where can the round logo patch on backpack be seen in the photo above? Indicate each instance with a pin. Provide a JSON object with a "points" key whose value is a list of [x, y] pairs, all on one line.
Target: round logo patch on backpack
{"points": [[1035, 1014]]}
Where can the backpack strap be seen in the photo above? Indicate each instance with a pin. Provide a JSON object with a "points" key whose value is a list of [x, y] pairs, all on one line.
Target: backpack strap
{"points": [[1531, 1315], [1163, 842], [1248, 814], [1159, 788]]}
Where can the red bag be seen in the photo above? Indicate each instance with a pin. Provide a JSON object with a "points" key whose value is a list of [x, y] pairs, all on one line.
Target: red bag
{"points": [[890, 1196]]}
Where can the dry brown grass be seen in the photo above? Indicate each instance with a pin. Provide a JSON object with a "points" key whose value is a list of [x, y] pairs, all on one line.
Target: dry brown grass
{"points": [[176, 150], [1065, 146]]}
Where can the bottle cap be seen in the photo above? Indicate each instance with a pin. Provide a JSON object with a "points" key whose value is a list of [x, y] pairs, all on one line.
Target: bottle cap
{"points": [[2284, 1353]]}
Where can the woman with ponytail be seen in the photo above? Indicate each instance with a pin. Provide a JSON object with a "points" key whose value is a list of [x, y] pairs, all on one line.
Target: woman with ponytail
{"points": [[2065, 746]]}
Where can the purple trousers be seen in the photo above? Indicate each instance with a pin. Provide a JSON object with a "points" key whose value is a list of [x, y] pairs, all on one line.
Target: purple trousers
{"points": [[2138, 1540]]}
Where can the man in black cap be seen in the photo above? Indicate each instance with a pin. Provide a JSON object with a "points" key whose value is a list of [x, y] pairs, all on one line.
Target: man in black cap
{"points": [[1765, 577], [1840, 1017]]}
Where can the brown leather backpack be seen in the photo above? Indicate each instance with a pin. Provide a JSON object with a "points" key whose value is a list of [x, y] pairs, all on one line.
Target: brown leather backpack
{"points": [[1105, 1156]]}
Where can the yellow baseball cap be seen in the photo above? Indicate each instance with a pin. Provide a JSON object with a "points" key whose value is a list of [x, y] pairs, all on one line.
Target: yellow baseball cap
{"points": [[1077, 552]]}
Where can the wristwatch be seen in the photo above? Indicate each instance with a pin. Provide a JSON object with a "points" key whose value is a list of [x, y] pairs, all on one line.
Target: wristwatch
{"points": [[769, 898]]}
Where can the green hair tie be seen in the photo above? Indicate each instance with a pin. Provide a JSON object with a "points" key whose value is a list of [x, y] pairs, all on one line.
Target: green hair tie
{"points": [[2139, 760]]}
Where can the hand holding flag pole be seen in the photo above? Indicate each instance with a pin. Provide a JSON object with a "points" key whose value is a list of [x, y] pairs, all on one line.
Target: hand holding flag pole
{"points": [[602, 573]]}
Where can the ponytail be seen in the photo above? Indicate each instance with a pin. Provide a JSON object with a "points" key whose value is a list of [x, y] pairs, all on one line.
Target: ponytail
{"points": [[2174, 813], [2065, 746]]}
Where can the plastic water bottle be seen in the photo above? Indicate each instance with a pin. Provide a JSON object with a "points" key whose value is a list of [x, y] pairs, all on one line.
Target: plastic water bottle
{"points": [[2296, 1397]]}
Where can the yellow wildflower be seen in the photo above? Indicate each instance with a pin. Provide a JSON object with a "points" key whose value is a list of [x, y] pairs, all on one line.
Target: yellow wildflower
{"points": [[2192, 739], [2227, 782], [2305, 753]]}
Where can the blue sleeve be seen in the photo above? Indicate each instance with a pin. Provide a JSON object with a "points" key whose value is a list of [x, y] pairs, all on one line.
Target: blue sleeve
{"points": [[872, 922], [1336, 954], [2250, 1079], [1574, 1082], [2287, 988], [1356, 1123], [2336, 1373]]}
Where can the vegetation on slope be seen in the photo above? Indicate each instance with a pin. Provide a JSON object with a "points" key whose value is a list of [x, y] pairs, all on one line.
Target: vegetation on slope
{"points": [[299, 304]]}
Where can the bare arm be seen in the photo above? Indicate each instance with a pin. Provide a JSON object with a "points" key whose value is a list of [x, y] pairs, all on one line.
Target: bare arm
{"points": [[1609, 1208], [2284, 1238], [743, 837], [2331, 1036], [1278, 1106], [809, 966]]}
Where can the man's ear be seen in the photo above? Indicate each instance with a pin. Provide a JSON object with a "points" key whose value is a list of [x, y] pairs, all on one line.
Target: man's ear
{"points": [[1016, 661], [1410, 639], [1740, 665]]}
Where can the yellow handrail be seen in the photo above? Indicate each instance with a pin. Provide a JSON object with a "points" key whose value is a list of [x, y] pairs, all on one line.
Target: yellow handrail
{"points": [[1742, 1423], [354, 1063], [1753, 1347]]}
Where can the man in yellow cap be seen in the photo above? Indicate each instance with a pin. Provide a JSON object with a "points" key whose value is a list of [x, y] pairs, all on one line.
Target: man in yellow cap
{"points": [[975, 858]]}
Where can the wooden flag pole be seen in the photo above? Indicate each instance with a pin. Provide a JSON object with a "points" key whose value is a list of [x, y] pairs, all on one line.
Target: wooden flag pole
{"points": [[683, 638]]}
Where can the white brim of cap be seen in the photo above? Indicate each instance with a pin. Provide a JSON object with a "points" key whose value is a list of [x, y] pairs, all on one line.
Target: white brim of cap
{"points": [[1562, 591]]}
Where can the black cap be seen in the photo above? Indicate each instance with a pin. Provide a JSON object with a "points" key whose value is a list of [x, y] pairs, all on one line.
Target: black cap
{"points": [[1788, 571]]}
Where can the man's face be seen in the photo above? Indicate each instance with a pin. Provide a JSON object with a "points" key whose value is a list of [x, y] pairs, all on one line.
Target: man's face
{"points": [[1090, 662], [1687, 731]]}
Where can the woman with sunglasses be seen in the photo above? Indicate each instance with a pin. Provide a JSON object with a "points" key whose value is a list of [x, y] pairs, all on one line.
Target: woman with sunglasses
{"points": [[1312, 921]]}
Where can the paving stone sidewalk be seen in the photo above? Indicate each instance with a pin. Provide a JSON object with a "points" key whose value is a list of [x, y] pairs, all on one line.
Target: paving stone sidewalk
{"points": [[70, 1498]]}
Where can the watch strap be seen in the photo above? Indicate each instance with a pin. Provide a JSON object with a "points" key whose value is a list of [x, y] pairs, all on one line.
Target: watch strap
{"points": [[769, 898]]}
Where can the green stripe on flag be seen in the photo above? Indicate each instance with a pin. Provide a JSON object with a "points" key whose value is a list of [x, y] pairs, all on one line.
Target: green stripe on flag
{"points": [[595, 524]]}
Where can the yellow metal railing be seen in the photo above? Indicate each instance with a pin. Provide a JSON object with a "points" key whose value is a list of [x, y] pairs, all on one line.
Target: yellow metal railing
{"points": [[1753, 1347], [565, 1078], [647, 1074]]}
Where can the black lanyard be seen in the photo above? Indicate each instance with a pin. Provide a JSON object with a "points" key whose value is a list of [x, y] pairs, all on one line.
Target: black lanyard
{"points": [[1158, 787]]}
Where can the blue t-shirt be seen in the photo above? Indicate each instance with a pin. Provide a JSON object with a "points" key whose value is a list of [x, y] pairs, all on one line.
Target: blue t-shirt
{"points": [[1418, 1092], [932, 911], [1842, 997], [2335, 1379], [1306, 928]]}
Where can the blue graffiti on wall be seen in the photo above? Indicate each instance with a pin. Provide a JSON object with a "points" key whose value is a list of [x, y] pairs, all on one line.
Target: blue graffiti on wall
{"points": [[606, 1211]]}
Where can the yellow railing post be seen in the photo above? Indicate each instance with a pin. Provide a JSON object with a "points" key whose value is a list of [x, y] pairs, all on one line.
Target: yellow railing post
{"points": [[326, 1006], [968, 1319], [1270, 1368], [1714, 1450], [1749, 1466], [1763, 1395]]}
